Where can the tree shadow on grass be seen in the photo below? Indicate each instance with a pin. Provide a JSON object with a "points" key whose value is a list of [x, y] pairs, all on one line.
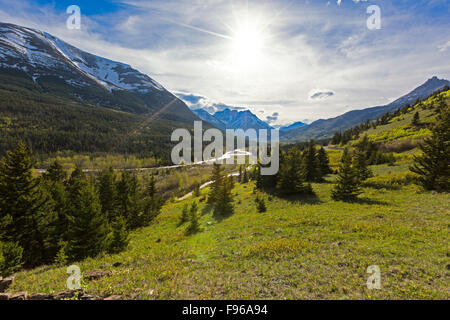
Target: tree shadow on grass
{"points": [[381, 186], [296, 198], [207, 209], [220, 217], [369, 201]]}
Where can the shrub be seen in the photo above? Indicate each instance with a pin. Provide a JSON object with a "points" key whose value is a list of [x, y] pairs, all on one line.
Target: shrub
{"points": [[10, 258], [391, 181], [194, 224], [260, 204]]}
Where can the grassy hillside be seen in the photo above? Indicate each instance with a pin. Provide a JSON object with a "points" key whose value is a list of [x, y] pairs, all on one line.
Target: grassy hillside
{"points": [[301, 248], [401, 127], [323, 129], [399, 134]]}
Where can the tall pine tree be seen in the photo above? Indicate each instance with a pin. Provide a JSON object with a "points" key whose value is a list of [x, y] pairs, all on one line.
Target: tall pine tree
{"points": [[217, 179], [128, 203], [348, 184], [88, 228], [223, 205], [324, 162], [291, 176], [24, 206], [311, 166], [107, 193], [152, 202], [433, 166], [360, 165]]}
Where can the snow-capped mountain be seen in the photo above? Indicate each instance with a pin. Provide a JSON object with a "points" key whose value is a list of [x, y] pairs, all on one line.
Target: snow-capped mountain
{"points": [[206, 116], [41, 54], [241, 120], [232, 119], [61, 69]]}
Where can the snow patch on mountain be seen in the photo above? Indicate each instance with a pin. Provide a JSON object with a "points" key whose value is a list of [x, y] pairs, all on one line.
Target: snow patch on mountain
{"points": [[46, 54]]}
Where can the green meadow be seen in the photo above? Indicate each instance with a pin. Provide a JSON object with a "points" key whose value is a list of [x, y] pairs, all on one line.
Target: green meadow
{"points": [[301, 248]]}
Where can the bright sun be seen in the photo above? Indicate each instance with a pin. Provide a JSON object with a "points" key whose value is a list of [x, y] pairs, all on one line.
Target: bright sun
{"points": [[248, 41]]}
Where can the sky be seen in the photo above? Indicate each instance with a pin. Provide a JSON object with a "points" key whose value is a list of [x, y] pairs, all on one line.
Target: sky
{"points": [[285, 60]]}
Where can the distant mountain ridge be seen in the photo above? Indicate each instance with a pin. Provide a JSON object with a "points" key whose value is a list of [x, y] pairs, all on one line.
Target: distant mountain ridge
{"points": [[233, 119], [206, 116], [293, 126], [325, 128]]}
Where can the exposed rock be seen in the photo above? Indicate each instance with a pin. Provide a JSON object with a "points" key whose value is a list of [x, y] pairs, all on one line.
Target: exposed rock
{"points": [[19, 296], [95, 275], [41, 296], [4, 296], [6, 283], [67, 294], [113, 297], [88, 297]]}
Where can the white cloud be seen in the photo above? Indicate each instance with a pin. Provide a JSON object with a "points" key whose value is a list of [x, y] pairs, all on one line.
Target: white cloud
{"points": [[444, 46], [305, 48]]}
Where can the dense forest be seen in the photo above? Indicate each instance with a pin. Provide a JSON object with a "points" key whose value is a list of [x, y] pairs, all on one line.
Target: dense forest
{"points": [[49, 123]]}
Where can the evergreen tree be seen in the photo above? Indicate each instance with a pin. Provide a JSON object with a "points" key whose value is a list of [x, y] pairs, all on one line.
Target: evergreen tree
{"points": [[360, 165], [311, 166], [184, 214], [291, 175], [75, 182], [433, 166], [107, 193], [415, 120], [336, 138], [194, 224], [260, 204], [245, 178], [88, 229], [10, 258], [348, 185], [259, 178], [224, 202], [196, 191], [128, 204], [55, 172], [324, 162], [24, 206], [54, 181], [152, 202], [218, 180], [119, 237]]}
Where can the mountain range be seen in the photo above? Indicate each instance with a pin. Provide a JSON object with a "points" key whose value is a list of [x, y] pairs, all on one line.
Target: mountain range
{"points": [[63, 70], [233, 119], [58, 97], [293, 126], [323, 129]]}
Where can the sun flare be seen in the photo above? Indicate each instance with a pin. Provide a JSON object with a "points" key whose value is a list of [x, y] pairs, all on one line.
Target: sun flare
{"points": [[247, 43]]}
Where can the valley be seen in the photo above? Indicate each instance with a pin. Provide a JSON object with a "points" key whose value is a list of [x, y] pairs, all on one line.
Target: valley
{"points": [[88, 182]]}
